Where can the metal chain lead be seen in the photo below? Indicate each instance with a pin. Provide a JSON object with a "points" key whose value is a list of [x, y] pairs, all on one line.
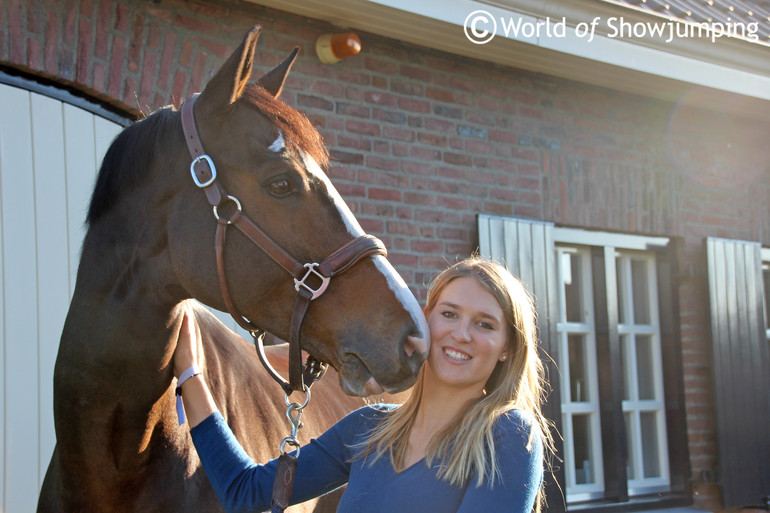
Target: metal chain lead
{"points": [[315, 370]]}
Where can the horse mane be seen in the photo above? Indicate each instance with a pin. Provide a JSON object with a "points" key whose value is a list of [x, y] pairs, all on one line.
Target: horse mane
{"points": [[127, 160], [130, 155]]}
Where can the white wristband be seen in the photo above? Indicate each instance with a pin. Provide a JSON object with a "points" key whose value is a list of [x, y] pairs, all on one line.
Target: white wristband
{"points": [[184, 376]]}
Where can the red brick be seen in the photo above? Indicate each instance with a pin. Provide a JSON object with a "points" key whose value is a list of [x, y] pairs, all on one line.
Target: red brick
{"points": [[439, 125], [414, 105], [148, 79], [51, 55], [442, 95], [347, 76], [351, 190], [384, 194], [215, 47], [380, 66], [407, 87], [179, 88], [425, 153], [399, 134], [455, 203], [428, 246], [130, 92], [418, 168], [418, 73], [15, 24], [382, 163], [196, 25], [33, 54], [84, 51], [116, 66], [161, 14], [432, 139], [166, 61], [196, 76], [121, 17], [503, 136], [402, 228], [34, 23], [86, 7], [403, 259], [381, 98], [458, 159], [361, 127], [99, 78], [373, 226]]}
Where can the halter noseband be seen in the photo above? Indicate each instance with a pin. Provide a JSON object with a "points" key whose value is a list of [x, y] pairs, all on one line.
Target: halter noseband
{"points": [[204, 174]]}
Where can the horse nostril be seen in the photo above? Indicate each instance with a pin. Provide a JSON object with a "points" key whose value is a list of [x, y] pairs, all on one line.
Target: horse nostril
{"points": [[415, 344]]}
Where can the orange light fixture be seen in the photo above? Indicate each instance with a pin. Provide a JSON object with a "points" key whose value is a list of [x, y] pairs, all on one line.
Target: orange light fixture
{"points": [[333, 48]]}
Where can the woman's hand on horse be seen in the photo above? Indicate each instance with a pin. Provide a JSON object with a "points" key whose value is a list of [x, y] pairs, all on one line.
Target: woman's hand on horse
{"points": [[186, 353]]}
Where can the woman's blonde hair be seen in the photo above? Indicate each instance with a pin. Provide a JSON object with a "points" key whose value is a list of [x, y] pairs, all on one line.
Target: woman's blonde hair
{"points": [[466, 447]]}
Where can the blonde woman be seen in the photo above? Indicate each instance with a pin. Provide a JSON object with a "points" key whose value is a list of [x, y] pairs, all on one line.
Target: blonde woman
{"points": [[470, 438]]}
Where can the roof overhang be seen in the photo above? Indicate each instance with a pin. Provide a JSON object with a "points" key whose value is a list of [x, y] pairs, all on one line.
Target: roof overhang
{"points": [[725, 74]]}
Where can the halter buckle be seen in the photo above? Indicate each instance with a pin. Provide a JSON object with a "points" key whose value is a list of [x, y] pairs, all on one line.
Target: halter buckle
{"points": [[203, 158], [311, 270]]}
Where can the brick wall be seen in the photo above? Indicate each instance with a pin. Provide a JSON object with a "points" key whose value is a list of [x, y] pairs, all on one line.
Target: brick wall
{"points": [[424, 141]]}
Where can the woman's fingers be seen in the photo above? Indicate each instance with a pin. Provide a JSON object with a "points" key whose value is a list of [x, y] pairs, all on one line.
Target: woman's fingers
{"points": [[186, 353]]}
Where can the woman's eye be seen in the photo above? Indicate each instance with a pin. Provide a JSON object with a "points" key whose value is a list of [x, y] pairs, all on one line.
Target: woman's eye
{"points": [[448, 315], [486, 326], [280, 187]]}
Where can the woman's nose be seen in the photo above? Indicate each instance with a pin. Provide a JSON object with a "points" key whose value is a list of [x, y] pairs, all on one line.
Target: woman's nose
{"points": [[462, 332]]}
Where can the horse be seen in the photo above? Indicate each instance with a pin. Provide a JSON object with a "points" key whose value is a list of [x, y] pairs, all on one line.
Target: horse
{"points": [[149, 253]]}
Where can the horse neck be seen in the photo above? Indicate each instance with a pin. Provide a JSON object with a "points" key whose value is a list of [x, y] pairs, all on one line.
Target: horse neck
{"points": [[124, 301]]}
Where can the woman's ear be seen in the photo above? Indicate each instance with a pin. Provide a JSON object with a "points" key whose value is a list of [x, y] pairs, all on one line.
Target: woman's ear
{"points": [[503, 357]]}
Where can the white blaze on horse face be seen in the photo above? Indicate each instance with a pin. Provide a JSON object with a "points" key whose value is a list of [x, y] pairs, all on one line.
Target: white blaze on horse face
{"points": [[395, 281], [351, 223], [278, 145]]}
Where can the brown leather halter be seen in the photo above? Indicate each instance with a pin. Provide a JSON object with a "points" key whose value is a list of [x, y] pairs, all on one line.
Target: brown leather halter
{"points": [[204, 174]]}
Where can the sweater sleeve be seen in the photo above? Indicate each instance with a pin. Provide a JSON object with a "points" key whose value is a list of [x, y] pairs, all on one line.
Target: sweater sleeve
{"points": [[242, 485], [521, 470]]}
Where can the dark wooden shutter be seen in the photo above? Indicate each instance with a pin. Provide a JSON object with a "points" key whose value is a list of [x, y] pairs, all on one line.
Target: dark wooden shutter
{"points": [[526, 248], [741, 370]]}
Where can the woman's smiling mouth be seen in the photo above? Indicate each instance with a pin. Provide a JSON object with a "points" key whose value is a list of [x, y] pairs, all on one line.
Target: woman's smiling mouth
{"points": [[456, 355]]}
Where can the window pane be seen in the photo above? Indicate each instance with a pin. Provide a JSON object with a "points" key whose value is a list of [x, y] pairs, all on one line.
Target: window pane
{"points": [[621, 289], [627, 374], [577, 369], [573, 286], [581, 434], [644, 367], [650, 444], [630, 463], [641, 292]]}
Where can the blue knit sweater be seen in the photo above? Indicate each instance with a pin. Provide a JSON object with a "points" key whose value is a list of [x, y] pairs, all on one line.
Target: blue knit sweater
{"points": [[330, 461]]}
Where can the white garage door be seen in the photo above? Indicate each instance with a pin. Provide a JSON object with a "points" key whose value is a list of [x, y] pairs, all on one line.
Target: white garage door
{"points": [[50, 153]]}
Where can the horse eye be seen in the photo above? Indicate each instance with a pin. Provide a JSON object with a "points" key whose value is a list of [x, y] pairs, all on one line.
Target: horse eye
{"points": [[280, 187]]}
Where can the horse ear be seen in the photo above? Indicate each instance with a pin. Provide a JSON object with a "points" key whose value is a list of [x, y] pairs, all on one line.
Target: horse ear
{"points": [[274, 79], [226, 86]]}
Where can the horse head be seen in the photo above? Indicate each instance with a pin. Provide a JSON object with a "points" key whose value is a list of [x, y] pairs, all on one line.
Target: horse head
{"points": [[270, 160]]}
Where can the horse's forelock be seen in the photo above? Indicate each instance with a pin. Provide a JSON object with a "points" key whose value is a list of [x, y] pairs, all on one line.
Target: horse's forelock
{"points": [[296, 128]]}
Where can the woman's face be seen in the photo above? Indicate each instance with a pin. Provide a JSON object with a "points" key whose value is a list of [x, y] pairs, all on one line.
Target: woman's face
{"points": [[468, 334]]}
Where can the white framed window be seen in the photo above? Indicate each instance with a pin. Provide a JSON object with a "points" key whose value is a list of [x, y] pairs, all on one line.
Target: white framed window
{"points": [[576, 330], [642, 367]]}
